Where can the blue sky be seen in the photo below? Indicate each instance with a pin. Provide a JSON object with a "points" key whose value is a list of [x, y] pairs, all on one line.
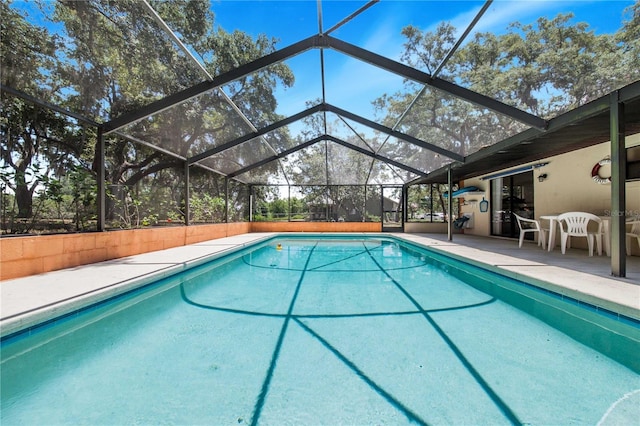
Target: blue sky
{"points": [[352, 84], [379, 29], [292, 20]]}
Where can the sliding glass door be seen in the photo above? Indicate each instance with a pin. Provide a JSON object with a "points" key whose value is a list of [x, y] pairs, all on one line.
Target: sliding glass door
{"points": [[511, 194]]}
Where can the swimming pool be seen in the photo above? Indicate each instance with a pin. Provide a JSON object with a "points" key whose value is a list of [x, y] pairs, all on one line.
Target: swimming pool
{"points": [[333, 331]]}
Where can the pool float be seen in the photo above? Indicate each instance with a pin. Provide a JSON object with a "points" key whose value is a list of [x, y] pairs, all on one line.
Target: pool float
{"points": [[595, 172], [462, 191]]}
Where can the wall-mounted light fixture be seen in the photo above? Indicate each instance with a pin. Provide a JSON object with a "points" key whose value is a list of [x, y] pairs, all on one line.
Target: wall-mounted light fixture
{"points": [[542, 177]]}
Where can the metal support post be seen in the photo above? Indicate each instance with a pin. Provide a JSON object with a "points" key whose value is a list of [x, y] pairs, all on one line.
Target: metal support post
{"points": [[450, 205], [326, 202], [250, 203], [618, 190], [289, 198], [187, 195], [405, 203], [364, 205], [100, 181], [226, 200]]}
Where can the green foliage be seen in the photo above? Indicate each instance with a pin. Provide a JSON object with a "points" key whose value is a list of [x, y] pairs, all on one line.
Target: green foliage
{"points": [[546, 68], [154, 200], [149, 220], [373, 218], [53, 191], [59, 205], [426, 203], [83, 196], [279, 209], [207, 208], [102, 59], [259, 218], [297, 205]]}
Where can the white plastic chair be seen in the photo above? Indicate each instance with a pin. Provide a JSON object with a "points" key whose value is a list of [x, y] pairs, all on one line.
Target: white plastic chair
{"points": [[634, 232], [576, 224], [531, 225]]}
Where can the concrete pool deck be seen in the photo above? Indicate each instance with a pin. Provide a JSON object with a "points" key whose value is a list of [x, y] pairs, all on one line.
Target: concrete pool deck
{"points": [[28, 301]]}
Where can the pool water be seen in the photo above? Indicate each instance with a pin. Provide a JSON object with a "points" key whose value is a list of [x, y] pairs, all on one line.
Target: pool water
{"points": [[336, 331]]}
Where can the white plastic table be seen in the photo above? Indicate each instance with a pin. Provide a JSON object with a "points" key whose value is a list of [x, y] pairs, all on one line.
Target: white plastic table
{"points": [[553, 224]]}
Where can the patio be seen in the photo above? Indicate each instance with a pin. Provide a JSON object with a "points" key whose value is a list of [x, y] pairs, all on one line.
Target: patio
{"points": [[574, 259], [574, 274]]}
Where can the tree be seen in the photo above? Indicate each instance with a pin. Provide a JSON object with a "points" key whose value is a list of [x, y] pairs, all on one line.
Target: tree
{"points": [[34, 141], [544, 68], [628, 41], [116, 59]]}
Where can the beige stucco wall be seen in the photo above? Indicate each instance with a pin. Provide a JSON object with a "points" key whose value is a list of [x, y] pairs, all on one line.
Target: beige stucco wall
{"points": [[568, 187]]}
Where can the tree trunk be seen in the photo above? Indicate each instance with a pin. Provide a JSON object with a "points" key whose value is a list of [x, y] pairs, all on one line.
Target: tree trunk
{"points": [[24, 200]]}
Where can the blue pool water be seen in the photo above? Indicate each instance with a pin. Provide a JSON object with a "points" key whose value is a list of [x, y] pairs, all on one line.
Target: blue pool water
{"points": [[330, 331]]}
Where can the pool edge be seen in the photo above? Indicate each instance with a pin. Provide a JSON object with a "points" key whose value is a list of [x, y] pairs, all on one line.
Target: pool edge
{"points": [[19, 322], [510, 270]]}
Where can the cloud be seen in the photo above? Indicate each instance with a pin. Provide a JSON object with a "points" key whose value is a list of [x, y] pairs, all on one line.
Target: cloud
{"points": [[503, 13]]}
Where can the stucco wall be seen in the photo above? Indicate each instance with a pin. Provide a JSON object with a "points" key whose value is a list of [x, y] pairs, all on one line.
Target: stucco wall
{"points": [[30, 255], [568, 187]]}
